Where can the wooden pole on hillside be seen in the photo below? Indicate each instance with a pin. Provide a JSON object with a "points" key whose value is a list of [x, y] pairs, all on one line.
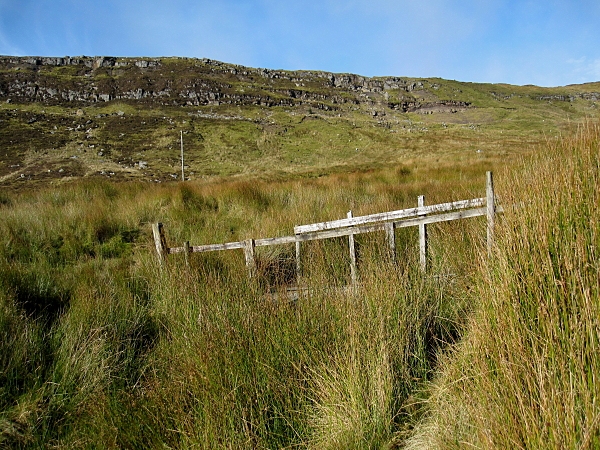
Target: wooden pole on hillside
{"points": [[390, 234], [160, 242], [248, 245], [422, 238], [353, 271], [182, 174], [186, 251], [298, 262]]}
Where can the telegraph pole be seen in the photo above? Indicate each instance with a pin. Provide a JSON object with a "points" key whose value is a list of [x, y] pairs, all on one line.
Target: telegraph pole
{"points": [[182, 173]]}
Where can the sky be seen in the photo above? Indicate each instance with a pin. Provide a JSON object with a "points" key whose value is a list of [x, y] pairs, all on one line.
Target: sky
{"points": [[541, 42]]}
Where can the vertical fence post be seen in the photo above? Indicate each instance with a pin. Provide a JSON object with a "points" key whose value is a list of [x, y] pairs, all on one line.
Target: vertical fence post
{"points": [[390, 234], [353, 271], [160, 242], [298, 262], [422, 238], [249, 256], [186, 251], [491, 210]]}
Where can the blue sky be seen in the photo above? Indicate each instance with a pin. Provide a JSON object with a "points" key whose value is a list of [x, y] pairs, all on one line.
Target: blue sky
{"points": [[547, 43]]}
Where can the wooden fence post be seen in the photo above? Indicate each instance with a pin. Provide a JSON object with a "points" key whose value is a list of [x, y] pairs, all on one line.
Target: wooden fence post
{"points": [[353, 271], [298, 262], [491, 210], [160, 242], [186, 251], [422, 238], [390, 234], [248, 246]]}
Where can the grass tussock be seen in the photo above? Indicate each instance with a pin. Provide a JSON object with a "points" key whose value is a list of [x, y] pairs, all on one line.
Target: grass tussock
{"points": [[525, 375]]}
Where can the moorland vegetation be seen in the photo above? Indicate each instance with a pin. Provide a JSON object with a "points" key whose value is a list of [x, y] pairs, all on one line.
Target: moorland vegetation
{"points": [[100, 347]]}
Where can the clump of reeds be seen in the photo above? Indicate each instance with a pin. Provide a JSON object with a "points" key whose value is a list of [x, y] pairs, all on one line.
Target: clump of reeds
{"points": [[525, 375]]}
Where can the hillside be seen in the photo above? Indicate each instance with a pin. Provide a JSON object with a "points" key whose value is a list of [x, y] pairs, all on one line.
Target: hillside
{"points": [[120, 118]]}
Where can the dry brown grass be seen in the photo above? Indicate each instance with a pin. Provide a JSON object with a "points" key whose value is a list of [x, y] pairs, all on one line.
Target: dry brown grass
{"points": [[525, 375]]}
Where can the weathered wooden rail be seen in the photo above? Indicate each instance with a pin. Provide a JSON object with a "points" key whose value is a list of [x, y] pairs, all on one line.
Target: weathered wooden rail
{"points": [[420, 216]]}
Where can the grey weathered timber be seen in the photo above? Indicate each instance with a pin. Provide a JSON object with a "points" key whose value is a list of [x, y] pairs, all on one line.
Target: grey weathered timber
{"points": [[422, 237], [235, 245], [351, 246], [249, 256], [275, 241], [186, 251], [441, 218], [327, 234], [216, 247], [351, 226], [390, 237], [390, 216], [298, 261], [160, 241], [490, 210]]}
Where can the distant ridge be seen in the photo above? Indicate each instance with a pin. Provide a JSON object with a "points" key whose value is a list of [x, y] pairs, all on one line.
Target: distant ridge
{"points": [[70, 117]]}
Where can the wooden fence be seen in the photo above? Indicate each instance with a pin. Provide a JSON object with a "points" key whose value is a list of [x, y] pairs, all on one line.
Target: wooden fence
{"points": [[420, 216]]}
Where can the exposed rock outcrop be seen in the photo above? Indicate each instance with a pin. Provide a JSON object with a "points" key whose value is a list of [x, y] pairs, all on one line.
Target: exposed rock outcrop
{"points": [[195, 82]]}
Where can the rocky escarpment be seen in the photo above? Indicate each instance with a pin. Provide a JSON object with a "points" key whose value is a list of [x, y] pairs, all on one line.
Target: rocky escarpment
{"points": [[196, 82]]}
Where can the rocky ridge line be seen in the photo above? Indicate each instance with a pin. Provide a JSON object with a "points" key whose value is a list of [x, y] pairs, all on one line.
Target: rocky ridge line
{"points": [[196, 82]]}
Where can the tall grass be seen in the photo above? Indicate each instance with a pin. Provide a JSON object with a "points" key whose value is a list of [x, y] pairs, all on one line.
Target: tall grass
{"points": [[525, 375], [99, 347]]}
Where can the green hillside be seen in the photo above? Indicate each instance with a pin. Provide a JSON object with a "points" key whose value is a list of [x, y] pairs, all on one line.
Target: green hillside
{"points": [[117, 118]]}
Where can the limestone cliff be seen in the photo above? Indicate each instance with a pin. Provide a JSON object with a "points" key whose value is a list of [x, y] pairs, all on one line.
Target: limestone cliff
{"points": [[194, 82]]}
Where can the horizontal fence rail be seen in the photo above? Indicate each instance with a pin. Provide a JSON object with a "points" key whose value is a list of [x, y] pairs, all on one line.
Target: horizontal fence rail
{"points": [[420, 216], [390, 216]]}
